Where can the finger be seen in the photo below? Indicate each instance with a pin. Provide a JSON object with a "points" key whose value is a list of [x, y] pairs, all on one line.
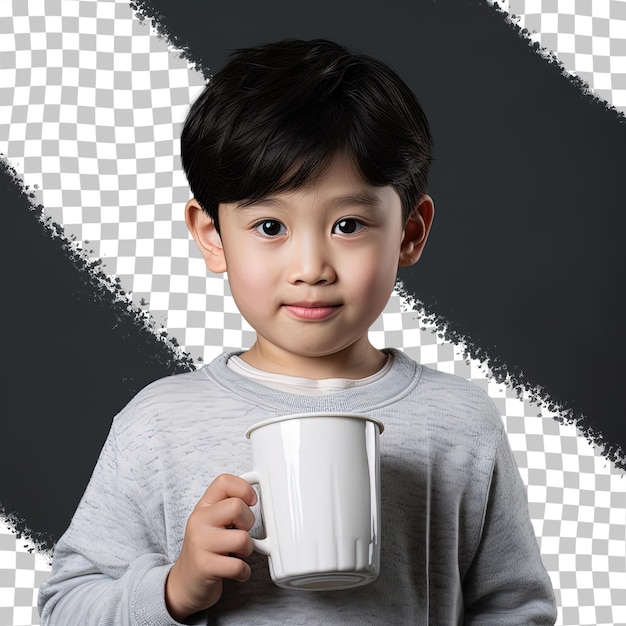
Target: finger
{"points": [[222, 566], [229, 513], [229, 486], [229, 541]]}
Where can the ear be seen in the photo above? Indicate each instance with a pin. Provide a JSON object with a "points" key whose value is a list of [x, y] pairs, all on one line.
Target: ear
{"points": [[205, 235], [416, 231]]}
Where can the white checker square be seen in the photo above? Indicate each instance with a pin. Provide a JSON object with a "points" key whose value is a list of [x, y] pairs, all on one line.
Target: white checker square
{"points": [[377, 338], [72, 215], [7, 44], [211, 352], [159, 301], [232, 337], [600, 46], [163, 265], [180, 249], [196, 266], [176, 318], [7, 597], [617, 517], [8, 558], [618, 64], [446, 366], [162, 230], [229, 305], [125, 266], [429, 354], [196, 302], [583, 24], [392, 321], [178, 284], [602, 8], [214, 319], [146, 181], [529, 7], [143, 283], [602, 597], [145, 247], [411, 337], [24, 578], [584, 63], [21, 24], [127, 230], [195, 336], [617, 29]]}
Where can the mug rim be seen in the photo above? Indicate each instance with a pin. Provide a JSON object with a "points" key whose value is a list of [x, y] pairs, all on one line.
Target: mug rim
{"points": [[291, 416]]}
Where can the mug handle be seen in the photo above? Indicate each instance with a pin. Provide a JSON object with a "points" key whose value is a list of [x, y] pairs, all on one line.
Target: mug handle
{"points": [[260, 545]]}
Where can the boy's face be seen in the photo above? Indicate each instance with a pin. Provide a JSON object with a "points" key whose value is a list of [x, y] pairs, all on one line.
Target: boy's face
{"points": [[312, 269]]}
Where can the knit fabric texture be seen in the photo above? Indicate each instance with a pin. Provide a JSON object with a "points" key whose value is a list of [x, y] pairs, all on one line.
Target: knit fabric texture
{"points": [[457, 543]]}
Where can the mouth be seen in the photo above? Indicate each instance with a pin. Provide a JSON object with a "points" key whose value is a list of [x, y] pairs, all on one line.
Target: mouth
{"points": [[311, 310]]}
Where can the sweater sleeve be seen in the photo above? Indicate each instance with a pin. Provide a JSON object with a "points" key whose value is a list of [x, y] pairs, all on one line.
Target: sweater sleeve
{"points": [[507, 584], [109, 567]]}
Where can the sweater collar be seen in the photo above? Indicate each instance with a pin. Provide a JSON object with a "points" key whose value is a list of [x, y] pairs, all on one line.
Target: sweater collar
{"points": [[401, 378]]}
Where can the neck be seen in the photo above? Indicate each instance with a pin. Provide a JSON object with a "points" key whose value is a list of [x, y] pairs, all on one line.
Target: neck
{"points": [[354, 362]]}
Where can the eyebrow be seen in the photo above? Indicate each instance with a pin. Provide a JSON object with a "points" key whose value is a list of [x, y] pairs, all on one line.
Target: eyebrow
{"points": [[364, 199]]}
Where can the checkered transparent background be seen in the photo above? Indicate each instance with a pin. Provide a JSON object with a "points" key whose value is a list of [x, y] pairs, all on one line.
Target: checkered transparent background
{"points": [[91, 102], [587, 37]]}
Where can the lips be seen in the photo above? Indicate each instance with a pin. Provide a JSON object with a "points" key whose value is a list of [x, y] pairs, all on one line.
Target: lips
{"points": [[311, 311]]}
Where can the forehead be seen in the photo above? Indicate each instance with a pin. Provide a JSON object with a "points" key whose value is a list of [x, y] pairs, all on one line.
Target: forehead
{"points": [[338, 183], [338, 179]]}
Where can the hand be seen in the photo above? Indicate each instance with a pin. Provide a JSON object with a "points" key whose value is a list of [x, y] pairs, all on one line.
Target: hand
{"points": [[215, 536]]}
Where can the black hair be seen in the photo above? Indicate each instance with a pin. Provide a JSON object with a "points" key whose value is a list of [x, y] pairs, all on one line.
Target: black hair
{"points": [[276, 114]]}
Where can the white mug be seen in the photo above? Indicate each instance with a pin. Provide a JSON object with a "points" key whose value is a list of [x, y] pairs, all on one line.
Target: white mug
{"points": [[319, 478]]}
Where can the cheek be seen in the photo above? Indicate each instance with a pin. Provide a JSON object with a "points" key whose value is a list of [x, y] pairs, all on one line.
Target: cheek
{"points": [[247, 280], [373, 278]]}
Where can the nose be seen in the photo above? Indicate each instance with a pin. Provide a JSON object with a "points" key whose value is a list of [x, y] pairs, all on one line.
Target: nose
{"points": [[311, 264]]}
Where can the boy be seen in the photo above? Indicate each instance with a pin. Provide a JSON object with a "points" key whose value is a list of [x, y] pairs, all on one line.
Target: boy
{"points": [[308, 164]]}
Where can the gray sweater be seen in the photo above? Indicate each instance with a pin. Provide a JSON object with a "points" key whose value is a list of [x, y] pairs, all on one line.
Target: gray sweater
{"points": [[457, 542]]}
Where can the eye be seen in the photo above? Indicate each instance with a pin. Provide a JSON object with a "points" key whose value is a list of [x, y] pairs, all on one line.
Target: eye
{"points": [[347, 226], [270, 228]]}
